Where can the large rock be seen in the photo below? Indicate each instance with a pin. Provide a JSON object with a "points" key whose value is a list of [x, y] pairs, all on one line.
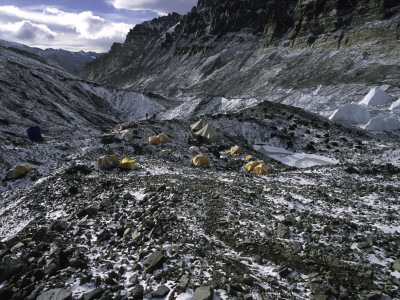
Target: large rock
{"points": [[55, 294], [203, 293], [154, 261]]}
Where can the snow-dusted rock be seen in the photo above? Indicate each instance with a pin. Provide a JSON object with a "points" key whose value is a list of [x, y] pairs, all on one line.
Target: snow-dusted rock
{"points": [[383, 124], [376, 96], [351, 113], [395, 105]]}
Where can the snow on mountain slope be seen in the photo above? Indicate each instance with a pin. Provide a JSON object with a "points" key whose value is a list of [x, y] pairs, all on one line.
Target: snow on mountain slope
{"points": [[67, 110], [169, 229]]}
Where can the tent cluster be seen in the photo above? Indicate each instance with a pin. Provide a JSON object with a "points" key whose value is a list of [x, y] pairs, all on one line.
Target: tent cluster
{"points": [[158, 139], [258, 167], [205, 133], [111, 161]]}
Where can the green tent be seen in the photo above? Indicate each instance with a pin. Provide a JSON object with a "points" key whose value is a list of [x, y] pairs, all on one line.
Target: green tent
{"points": [[197, 125], [208, 134]]}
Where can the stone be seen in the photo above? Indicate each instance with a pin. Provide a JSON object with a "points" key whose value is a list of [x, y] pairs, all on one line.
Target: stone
{"points": [[104, 235], [9, 268], [136, 236], [396, 265], [203, 293], [55, 294], [161, 292], [94, 294], [90, 211], [183, 282], [154, 261], [137, 292]]}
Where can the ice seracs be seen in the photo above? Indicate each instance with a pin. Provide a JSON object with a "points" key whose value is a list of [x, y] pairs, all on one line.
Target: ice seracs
{"points": [[383, 124], [376, 96], [351, 113], [395, 105]]}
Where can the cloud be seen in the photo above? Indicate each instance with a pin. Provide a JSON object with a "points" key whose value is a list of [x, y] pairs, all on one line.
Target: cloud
{"points": [[26, 30], [162, 7], [59, 29]]}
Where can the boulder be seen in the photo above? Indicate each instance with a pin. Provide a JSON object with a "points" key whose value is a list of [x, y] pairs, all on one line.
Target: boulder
{"points": [[55, 294]]}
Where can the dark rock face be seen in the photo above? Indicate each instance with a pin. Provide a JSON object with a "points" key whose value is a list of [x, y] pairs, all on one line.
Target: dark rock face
{"points": [[218, 43], [152, 28]]}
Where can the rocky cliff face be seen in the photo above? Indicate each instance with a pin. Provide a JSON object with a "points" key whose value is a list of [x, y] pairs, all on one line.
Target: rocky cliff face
{"points": [[278, 50]]}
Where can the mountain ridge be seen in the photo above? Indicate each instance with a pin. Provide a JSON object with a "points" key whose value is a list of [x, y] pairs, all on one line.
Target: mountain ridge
{"points": [[328, 43], [73, 62]]}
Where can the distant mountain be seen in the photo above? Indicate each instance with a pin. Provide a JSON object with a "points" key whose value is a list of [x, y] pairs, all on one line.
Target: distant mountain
{"points": [[73, 62], [313, 54]]}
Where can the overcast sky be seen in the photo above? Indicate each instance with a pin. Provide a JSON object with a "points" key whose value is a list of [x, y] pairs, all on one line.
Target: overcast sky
{"points": [[89, 25]]}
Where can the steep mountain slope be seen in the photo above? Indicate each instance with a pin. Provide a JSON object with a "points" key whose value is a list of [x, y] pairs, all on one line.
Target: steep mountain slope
{"points": [[73, 62], [65, 108], [313, 54], [170, 230]]}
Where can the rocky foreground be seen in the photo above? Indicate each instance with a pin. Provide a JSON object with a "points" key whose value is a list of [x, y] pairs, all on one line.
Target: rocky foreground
{"points": [[174, 231]]}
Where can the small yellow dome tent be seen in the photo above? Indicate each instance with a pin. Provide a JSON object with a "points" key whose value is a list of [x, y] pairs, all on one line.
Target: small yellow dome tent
{"points": [[17, 171], [154, 140], [235, 150], [128, 163], [251, 165], [201, 160], [107, 161], [250, 158], [163, 137], [262, 168], [195, 150]]}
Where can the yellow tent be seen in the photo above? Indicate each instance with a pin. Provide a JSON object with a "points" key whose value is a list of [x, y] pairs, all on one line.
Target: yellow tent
{"points": [[17, 171], [251, 165], [107, 161], [128, 163], [154, 140], [235, 150], [250, 158], [262, 168], [201, 160], [195, 150], [163, 137]]}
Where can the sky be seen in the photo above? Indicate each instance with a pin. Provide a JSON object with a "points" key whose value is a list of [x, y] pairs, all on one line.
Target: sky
{"points": [[75, 25]]}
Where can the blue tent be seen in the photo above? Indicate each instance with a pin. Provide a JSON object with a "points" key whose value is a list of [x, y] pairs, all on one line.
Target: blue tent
{"points": [[34, 134]]}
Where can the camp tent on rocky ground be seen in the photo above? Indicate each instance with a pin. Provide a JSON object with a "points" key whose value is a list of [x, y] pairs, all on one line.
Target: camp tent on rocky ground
{"points": [[107, 161], [201, 160], [262, 168], [208, 134], [34, 134], [154, 140], [128, 163], [17, 171], [197, 125], [163, 137], [235, 150]]}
